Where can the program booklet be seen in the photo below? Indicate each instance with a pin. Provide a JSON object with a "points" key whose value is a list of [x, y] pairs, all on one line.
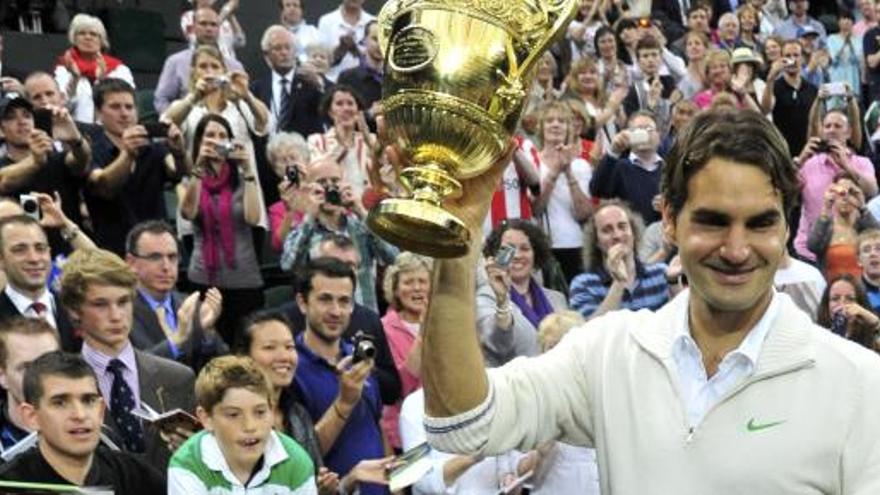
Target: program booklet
{"points": [[169, 420], [411, 466]]}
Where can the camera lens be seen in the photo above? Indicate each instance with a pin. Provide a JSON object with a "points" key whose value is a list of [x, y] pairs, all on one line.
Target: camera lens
{"points": [[29, 206]]}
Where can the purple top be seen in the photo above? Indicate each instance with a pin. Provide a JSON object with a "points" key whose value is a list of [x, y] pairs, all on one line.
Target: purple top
{"points": [[99, 362]]}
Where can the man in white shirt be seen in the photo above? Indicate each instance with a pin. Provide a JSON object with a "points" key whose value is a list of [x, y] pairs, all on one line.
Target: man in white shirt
{"points": [[709, 392], [342, 32], [291, 17]]}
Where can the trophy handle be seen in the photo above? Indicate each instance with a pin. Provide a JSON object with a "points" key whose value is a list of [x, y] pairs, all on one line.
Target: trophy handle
{"points": [[564, 11]]}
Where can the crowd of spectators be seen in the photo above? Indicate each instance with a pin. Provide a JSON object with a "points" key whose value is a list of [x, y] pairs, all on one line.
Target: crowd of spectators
{"points": [[138, 253]]}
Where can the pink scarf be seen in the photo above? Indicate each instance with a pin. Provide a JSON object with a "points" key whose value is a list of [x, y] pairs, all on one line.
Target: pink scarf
{"points": [[217, 218]]}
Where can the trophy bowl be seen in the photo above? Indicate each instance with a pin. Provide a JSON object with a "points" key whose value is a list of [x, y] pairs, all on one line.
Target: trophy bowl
{"points": [[456, 76]]}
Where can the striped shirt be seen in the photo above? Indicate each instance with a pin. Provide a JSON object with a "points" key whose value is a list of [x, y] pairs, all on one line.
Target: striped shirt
{"points": [[99, 363], [650, 290]]}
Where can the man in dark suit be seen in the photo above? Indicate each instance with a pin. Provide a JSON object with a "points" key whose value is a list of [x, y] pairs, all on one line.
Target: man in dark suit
{"points": [[151, 252], [362, 318], [98, 290], [293, 100], [26, 259]]}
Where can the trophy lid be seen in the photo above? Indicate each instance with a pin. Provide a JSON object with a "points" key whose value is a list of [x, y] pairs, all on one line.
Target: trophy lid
{"points": [[530, 22]]}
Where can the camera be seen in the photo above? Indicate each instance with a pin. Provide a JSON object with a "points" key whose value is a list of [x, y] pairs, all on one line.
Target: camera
{"points": [[30, 205], [835, 88], [364, 347], [638, 137], [221, 81], [156, 130], [822, 146], [838, 323], [505, 255], [224, 149], [788, 62], [332, 195], [292, 174], [43, 120]]}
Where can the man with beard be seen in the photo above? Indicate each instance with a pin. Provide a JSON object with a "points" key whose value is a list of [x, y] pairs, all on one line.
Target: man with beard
{"points": [[331, 376]]}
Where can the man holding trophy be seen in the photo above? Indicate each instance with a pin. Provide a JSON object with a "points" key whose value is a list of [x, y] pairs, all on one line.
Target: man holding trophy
{"points": [[729, 387]]}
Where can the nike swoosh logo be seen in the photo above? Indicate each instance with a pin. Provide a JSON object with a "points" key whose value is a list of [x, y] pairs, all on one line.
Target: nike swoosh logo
{"points": [[755, 426]]}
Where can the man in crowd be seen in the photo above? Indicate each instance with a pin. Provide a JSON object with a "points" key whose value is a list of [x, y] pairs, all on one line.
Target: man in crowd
{"points": [[26, 259], [697, 20], [34, 161], [823, 159], [615, 278], [335, 389], [98, 290], [367, 76], [798, 20], [654, 93], [152, 254], [63, 404], [291, 96], [719, 383], [342, 32], [42, 90], [21, 341], [869, 260], [340, 247], [291, 17], [635, 177], [174, 79], [129, 170], [332, 206], [790, 96]]}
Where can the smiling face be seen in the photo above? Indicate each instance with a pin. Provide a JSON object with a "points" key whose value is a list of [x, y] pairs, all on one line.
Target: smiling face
{"points": [[273, 349], [523, 263], [26, 257], [241, 422], [556, 128], [21, 349], [343, 109], [835, 128], [17, 125], [607, 46], [328, 306], [731, 236]]}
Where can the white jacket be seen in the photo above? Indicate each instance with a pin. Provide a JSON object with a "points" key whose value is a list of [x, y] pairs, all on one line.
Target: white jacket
{"points": [[806, 422]]}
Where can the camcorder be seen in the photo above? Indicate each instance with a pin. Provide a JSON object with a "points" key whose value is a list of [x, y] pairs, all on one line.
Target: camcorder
{"points": [[364, 347]]}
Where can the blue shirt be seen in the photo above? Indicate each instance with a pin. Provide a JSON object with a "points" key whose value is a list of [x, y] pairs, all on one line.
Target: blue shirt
{"points": [[316, 385], [651, 290], [170, 316], [873, 293]]}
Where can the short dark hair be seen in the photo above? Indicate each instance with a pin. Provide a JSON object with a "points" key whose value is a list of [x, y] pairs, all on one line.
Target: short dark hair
{"points": [[326, 266], [368, 25], [258, 318], [17, 220], [647, 42], [327, 101], [23, 326], [154, 227], [341, 241], [743, 136], [109, 86], [57, 363]]}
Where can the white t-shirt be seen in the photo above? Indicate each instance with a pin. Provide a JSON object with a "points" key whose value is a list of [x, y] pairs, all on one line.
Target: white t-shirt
{"points": [[559, 220]]}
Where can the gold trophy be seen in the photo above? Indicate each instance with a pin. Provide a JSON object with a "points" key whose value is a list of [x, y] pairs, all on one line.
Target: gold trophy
{"points": [[456, 76]]}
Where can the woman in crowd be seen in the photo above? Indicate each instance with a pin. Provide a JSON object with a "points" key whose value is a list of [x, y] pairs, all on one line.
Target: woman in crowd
{"points": [[563, 201], [771, 53], [349, 140], [614, 72], [746, 66], [582, 127], [846, 51], [749, 25], [222, 200], [407, 285], [542, 91], [845, 310], [585, 84], [696, 45], [85, 63], [288, 156], [231, 35], [582, 30], [833, 238], [718, 79], [627, 38], [317, 64], [268, 340], [512, 302]]}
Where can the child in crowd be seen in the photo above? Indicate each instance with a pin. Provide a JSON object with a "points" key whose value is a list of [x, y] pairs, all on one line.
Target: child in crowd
{"points": [[238, 452]]}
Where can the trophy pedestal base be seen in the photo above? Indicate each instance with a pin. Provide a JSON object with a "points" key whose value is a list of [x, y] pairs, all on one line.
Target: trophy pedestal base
{"points": [[420, 227]]}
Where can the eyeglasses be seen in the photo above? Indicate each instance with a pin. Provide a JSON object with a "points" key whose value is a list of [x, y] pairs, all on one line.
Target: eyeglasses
{"points": [[158, 257]]}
